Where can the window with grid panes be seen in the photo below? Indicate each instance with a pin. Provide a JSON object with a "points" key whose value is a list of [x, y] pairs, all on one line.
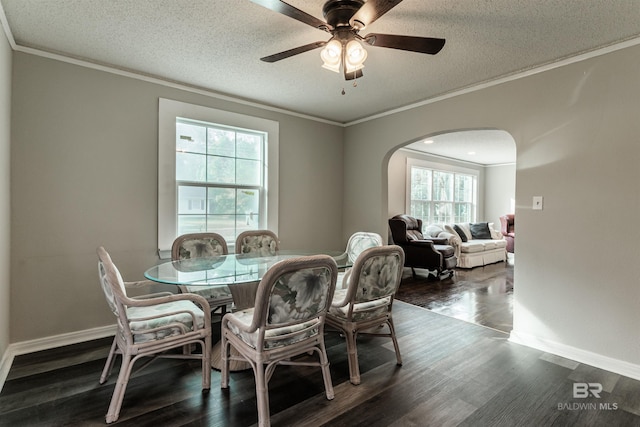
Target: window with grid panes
{"points": [[439, 197], [219, 179], [217, 172]]}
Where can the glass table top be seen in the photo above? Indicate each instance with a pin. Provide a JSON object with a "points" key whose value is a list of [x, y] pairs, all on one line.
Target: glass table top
{"points": [[227, 269]]}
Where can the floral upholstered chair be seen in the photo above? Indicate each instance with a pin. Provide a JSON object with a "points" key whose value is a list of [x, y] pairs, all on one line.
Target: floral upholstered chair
{"points": [[357, 243], [257, 242], [150, 325], [288, 320], [367, 301], [203, 245]]}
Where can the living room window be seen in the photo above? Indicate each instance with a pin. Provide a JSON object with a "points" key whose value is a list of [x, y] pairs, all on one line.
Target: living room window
{"points": [[217, 171], [441, 196]]}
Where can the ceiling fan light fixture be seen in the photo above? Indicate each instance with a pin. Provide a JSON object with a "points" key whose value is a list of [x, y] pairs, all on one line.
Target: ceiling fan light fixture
{"points": [[355, 56], [331, 55], [344, 19]]}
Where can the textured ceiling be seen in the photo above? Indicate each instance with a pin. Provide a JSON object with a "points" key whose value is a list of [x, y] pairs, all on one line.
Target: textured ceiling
{"points": [[216, 45]]}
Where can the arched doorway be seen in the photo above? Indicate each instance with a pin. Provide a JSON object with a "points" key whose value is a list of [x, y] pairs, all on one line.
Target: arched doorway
{"points": [[486, 158]]}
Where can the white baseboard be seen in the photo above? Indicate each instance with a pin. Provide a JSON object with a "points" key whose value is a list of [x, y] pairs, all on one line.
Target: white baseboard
{"points": [[621, 367], [5, 365], [47, 343]]}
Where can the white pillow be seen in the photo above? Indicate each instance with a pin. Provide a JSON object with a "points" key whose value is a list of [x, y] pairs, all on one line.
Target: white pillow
{"points": [[433, 230], [495, 234]]}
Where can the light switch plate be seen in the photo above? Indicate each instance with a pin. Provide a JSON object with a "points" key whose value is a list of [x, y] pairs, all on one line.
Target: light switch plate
{"points": [[537, 203]]}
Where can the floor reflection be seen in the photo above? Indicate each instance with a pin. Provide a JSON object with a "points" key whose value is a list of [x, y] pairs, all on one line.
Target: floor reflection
{"points": [[481, 295]]}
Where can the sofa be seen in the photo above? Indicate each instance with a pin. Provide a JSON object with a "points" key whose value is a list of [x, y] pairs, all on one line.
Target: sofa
{"points": [[433, 254], [475, 244]]}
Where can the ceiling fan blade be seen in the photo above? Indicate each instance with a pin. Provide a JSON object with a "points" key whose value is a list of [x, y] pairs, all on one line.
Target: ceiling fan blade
{"points": [[292, 12], [295, 51], [414, 44], [370, 11]]}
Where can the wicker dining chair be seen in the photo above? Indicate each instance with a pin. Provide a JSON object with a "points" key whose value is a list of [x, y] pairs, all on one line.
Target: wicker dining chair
{"points": [[288, 320], [258, 242], [357, 243], [366, 304], [149, 325], [203, 245]]}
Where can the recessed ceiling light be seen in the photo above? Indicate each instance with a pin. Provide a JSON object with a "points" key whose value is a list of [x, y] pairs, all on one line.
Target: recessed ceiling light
{"points": [[428, 141], [471, 153]]}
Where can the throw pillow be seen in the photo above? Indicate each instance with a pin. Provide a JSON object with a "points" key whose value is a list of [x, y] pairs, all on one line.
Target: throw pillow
{"points": [[495, 234], [480, 230], [433, 230], [461, 233]]}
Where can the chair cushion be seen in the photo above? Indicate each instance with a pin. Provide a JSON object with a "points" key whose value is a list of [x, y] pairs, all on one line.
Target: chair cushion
{"points": [[200, 248], [262, 245], [276, 337], [361, 311], [156, 310], [472, 247]]}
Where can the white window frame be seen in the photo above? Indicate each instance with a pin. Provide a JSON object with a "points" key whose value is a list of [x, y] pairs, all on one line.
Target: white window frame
{"points": [[433, 166], [170, 110]]}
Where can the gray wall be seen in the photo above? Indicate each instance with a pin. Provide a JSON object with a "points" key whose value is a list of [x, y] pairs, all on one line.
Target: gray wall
{"points": [[5, 196], [500, 189], [86, 145], [576, 128]]}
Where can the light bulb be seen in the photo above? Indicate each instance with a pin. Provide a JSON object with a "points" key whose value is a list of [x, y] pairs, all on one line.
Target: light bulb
{"points": [[331, 55], [355, 56]]}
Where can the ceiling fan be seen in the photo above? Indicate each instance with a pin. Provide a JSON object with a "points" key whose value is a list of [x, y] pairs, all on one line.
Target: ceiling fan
{"points": [[344, 20]]}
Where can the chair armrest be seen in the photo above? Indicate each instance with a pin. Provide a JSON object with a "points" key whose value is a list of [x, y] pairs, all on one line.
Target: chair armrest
{"points": [[138, 284], [421, 243], [155, 295], [342, 257], [439, 240], [242, 326], [452, 239], [347, 295]]}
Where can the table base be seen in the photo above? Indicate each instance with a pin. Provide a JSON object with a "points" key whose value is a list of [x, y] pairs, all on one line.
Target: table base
{"points": [[244, 296]]}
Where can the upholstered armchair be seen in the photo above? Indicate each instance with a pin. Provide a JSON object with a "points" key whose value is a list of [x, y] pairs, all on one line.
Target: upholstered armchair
{"points": [[508, 229], [432, 254]]}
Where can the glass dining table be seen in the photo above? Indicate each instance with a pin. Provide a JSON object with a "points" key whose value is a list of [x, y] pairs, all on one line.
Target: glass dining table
{"points": [[240, 272], [228, 270]]}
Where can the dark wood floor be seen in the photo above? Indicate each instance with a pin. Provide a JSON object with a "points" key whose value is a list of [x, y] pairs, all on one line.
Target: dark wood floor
{"points": [[481, 295], [454, 373]]}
